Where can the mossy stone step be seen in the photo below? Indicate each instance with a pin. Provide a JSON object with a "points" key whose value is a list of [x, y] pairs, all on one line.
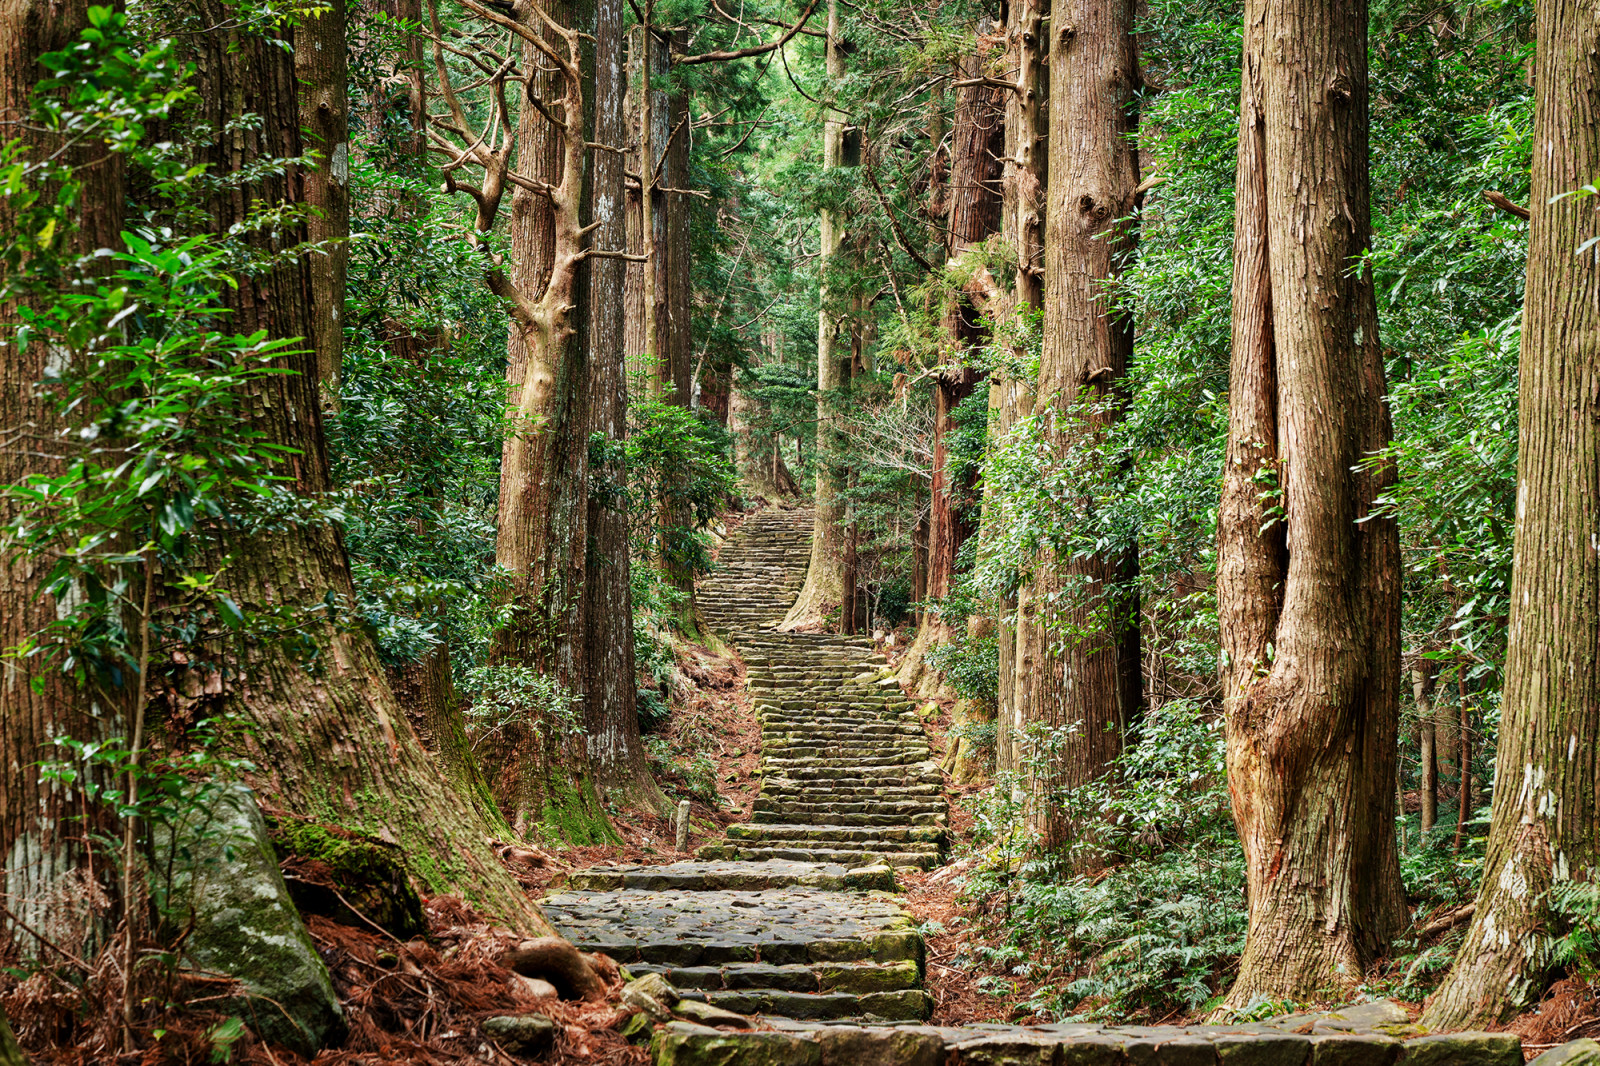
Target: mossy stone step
{"points": [[853, 977], [735, 850], [911, 1004], [780, 831]]}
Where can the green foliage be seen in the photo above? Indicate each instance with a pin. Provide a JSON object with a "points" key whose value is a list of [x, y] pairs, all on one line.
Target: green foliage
{"points": [[970, 667], [1159, 928], [503, 694]]}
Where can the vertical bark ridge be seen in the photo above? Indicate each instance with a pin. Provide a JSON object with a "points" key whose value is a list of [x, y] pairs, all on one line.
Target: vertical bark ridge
{"points": [[1308, 583], [1077, 699], [1545, 828]]}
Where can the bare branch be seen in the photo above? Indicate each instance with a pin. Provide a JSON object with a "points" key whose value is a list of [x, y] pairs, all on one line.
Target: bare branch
{"points": [[753, 50]]}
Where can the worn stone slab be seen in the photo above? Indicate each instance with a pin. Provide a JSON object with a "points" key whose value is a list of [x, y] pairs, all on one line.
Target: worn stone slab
{"points": [[1256, 1045], [722, 876]]}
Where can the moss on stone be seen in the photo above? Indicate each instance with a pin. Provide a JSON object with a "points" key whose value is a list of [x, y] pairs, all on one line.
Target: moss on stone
{"points": [[327, 862]]}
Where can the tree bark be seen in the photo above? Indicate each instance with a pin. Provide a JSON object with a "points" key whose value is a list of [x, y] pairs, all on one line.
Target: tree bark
{"points": [[1022, 222], [1308, 584], [45, 871], [1423, 682], [674, 345], [543, 779], [426, 692], [824, 585], [1545, 825], [321, 64], [1078, 696], [974, 206], [611, 710], [332, 745]]}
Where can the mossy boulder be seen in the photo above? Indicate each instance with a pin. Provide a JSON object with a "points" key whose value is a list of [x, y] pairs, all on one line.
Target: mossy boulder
{"points": [[348, 877], [226, 889]]}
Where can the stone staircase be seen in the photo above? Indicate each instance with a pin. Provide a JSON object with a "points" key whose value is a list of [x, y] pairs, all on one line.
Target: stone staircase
{"points": [[846, 770], [792, 916]]}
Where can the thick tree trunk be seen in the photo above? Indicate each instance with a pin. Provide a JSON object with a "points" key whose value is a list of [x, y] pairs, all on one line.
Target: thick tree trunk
{"points": [[426, 692], [1022, 222], [1545, 826], [1307, 584], [321, 65], [333, 745], [45, 873], [1078, 696], [974, 204], [823, 590], [611, 714]]}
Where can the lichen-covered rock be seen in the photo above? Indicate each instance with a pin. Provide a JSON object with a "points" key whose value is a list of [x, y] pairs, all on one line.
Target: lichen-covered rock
{"points": [[685, 1044], [524, 1034], [1463, 1049], [227, 882], [706, 1014], [1575, 1053], [652, 995]]}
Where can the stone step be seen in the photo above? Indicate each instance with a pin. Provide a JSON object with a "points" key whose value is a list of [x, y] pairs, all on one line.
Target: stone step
{"points": [[905, 1005], [783, 788], [789, 817], [721, 876], [889, 838], [818, 1040], [776, 926], [735, 850], [857, 978]]}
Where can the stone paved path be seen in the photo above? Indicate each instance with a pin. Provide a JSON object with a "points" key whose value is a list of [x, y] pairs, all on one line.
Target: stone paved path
{"points": [[793, 914]]}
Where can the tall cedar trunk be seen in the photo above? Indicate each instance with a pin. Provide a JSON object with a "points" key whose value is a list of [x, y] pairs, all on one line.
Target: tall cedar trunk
{"points": [[978, 139], [544, 780], [1079, 697], [333, 745], [1545, 825], [1423, 682], [647, 121], [45, 872], [824, 585], [674, 344], [611, 714], [1307, 585], [1022, 222], [321, 64]]}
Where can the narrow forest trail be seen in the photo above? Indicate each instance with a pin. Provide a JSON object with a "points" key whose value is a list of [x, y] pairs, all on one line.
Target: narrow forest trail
{"points": [[789, 916]]}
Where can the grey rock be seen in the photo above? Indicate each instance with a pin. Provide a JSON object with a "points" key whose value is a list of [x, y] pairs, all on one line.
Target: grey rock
{"points": [[686, 1044], [1575, 1053], [706, 1014], [652, 995], [525, 1034], [227, 882], [1353, 1049], [848, 1046], [1463, 1049], [1263, 1049]]}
